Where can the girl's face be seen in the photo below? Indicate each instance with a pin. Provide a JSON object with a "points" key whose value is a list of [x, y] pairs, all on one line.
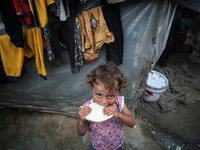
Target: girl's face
{"points": [[103, 96]]}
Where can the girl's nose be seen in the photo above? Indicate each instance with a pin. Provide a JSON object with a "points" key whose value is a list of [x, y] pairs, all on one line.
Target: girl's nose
{"points": [[104, 101]]}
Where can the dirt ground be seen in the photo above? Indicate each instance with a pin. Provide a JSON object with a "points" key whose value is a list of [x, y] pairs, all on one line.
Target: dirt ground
{"points": [[178, 129], [180, 126], [44, 131]]}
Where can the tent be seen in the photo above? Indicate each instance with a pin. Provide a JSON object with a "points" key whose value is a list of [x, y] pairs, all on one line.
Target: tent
{"points": [[146, 26]]}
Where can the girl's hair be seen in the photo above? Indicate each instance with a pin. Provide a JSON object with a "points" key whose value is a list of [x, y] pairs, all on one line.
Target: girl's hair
{"points": [[108, 74]]}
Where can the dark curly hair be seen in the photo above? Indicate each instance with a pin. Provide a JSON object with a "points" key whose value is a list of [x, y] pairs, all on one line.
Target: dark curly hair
{"points": [[108, 74]]}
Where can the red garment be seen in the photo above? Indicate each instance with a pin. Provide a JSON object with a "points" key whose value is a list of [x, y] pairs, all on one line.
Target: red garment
{"points": [[23, 11]]}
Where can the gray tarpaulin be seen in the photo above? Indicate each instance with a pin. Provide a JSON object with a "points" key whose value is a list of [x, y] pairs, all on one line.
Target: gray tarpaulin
{"points": [[146, 26]]}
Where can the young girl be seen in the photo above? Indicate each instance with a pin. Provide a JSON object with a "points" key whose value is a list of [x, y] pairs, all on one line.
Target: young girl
{"points": [[106, 81]]}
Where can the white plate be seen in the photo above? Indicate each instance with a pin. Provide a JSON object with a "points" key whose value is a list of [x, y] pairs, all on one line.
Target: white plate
{"points": [[96, 114]]}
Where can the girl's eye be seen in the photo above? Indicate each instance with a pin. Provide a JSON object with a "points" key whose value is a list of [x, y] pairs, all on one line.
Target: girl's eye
{"points": [[98, 95], [110, 96]]}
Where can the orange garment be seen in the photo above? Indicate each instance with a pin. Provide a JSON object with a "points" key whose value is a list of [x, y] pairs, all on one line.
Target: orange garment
{"points": [[94, 33], [39, 11], [12, 56], [28, 53], [34, 39]]}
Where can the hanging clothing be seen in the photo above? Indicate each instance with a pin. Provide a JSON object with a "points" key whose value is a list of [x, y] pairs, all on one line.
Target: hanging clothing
{"points": [[85, 5], [34, 39], [3, 77], [25, 1], [39, 11], [28, 53], [78, 45], [73, 7], [63, 30], [63, 10], [23, 11], [114, 50], [11, 22], [48, 44], [13, 57], [94, 33]]}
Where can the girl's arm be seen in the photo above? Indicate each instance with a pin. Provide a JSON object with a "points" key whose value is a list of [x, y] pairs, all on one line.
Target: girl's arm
{"points": [[125, 116], [81, 127], [82, 124]]}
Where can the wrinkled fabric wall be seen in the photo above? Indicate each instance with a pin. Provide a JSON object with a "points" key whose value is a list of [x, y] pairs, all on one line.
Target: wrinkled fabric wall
{"points": [[146, 26]]}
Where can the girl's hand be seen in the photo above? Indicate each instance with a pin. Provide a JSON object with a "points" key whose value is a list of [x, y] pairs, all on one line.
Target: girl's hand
{"points": [[84, 111], [111, 110]]}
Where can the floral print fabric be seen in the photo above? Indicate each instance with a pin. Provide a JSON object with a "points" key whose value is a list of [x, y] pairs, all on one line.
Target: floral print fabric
{"points": [[78, 45]]}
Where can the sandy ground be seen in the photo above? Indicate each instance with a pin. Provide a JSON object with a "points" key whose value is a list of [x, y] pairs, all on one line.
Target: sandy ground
{"points": [[174, 130]]}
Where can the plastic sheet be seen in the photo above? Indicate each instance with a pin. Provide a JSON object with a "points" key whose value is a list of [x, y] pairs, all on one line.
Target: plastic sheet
{"points": [[146, 27]]}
